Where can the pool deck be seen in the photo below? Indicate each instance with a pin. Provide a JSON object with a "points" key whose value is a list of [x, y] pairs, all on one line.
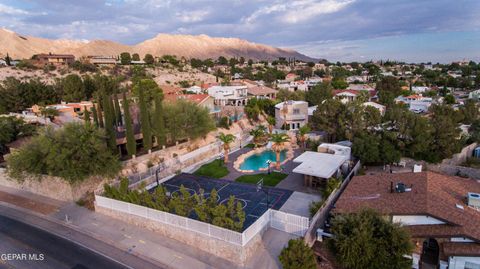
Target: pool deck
{"points": [[293, 181]]}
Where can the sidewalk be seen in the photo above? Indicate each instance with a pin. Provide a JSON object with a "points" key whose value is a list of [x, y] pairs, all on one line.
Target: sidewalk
{"points": [[143, 242]]}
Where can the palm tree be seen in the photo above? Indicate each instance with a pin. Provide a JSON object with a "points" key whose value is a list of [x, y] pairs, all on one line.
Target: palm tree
{"points": [[271, 122], [285, 113], [48, 112], [258, 134], [302, 134], [226, 139], [278, 142]]}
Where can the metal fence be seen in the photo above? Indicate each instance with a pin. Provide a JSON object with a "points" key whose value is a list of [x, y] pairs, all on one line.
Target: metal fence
{"points": [[272, 218]]}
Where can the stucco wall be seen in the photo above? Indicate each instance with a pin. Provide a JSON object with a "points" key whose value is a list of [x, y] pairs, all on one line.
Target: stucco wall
{"points": [[231, 252], [52, 187]]}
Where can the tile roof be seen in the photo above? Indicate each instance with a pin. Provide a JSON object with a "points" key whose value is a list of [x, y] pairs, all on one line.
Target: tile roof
{"points": [[432, 194], [261, 90], [196, 98], [461, 249]]}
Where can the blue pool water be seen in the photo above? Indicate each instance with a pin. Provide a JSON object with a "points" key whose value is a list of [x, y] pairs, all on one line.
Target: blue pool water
{"points": [[257, 161]]}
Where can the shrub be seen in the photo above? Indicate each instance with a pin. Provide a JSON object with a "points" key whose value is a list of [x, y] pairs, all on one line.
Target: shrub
{"points": [[182, 203], [73, 153], [297, 255]]}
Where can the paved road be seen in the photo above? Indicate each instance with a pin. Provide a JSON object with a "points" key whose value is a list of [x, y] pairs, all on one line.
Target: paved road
{"points": [[58, 251]]}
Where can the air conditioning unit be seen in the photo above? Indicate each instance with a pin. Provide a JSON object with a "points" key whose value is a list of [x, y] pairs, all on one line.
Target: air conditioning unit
{"points": [[474, 199]]}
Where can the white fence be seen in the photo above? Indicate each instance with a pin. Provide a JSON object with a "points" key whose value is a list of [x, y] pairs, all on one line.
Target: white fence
{"points": [[272, 218]]}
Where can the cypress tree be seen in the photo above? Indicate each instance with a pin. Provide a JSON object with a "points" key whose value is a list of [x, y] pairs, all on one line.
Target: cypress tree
{"points": [[145, 121], [86, 116], [159, 121], [109, 123], [131, 143], [99, 114], [95, 115], [118, 112]]}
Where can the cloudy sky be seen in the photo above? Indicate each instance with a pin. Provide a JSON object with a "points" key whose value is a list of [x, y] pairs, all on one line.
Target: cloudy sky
{"points": [[345, 30]]}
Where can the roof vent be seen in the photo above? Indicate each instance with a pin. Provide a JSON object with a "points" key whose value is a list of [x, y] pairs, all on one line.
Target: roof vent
{"points": [[474, 199]]}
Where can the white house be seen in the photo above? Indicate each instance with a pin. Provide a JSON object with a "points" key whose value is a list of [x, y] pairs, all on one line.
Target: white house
{"points": [[195, 89], [293, 114], [416, 102], [229, 95], [381, 108]]}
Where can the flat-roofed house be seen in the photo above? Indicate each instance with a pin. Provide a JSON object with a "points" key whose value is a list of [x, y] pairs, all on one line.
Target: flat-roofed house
{"points": [[441, 213], [102, 60], [292, 114], [229, 95], [53, 59]]}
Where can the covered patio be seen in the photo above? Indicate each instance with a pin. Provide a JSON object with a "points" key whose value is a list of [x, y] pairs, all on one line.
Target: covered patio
{"points": [[317, 167]]}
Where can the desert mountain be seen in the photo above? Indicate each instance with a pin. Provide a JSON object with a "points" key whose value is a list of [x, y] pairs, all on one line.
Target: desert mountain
{"points": [[189, 46]]}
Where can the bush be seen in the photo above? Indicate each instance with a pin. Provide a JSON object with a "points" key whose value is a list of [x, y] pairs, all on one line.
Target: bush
{"points": [[223, 123], [73, 153], [182, 203], [297, 255]]}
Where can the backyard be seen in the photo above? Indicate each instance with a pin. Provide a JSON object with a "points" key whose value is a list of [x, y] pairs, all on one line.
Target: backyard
{"points": [[271, 179], [215, 169]]}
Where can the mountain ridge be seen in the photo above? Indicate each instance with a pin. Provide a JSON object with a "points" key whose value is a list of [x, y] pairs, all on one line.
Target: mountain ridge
{"points": [[188, 46]]}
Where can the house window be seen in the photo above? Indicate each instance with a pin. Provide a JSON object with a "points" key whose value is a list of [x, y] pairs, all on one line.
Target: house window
{"points": [[471, 265], [296, 111]]}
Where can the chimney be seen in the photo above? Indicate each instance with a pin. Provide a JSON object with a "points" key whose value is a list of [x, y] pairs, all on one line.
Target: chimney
{"points": [[391, 186]]}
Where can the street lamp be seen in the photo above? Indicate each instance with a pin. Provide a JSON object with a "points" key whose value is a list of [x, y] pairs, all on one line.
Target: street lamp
{"points": [[268, 165]]}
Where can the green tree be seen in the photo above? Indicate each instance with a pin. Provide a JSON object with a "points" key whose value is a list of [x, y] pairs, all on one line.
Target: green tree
{"points": [[48, 112], [148, 59], [226, 139], [95, 115], [278, 144], [130, 136], [297, 255], [149, 88], [73, 89], [319, 93], [135, 57], [12, 128], [100, 114], [388, 89], [159, 121], [7, 60], [86, 116], [118, 112], [59, 153], [445, 133], [366, 147], [470, 111], [125, 58], [339, 83], [365, 240], [271, 123], [109, 122], [145, 121], [302, 135], [330, 117], [450, 99]]}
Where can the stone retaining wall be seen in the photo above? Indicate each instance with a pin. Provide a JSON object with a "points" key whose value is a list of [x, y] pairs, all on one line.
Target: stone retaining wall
{"points": [[52, 187], [231, 252]]}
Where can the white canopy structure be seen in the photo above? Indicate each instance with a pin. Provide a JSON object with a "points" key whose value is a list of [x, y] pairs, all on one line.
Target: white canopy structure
{"points": [[321, 165]]}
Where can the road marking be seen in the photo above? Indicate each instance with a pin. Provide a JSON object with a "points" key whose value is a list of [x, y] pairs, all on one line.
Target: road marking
{"points": [[127, 236], [94, 223], [141, 241], [177, 256]]}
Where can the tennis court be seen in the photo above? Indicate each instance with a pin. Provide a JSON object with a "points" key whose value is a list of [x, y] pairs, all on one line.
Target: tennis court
{"points": [[254, 201]]}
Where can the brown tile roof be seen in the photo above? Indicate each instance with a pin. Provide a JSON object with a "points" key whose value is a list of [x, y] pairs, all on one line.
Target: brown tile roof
{"points": [[169, 89], [461, 249], [196, 98], [432, 194], [261, 90]]}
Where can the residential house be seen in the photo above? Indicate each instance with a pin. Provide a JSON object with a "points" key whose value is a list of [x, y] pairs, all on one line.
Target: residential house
{"points": [[361, 79], [67, 112], [474, 95], [441, 213], [292, 86], [291, 77], [379, 107], [41, 60], [262, 92], [416, 102], [292, 114], [420, 89], [102, 60], [229, 95], [194, 89]]}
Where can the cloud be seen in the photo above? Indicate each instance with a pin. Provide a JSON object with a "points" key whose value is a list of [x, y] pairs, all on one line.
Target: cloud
{"points": [[8, 10], [284, 23]]}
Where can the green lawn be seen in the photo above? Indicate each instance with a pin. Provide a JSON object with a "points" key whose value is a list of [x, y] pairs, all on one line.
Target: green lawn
{"points": [[268, 180], [215, 169]]}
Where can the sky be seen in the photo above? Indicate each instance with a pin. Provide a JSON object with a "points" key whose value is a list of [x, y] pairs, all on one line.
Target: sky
{"points": [[337, 30]]}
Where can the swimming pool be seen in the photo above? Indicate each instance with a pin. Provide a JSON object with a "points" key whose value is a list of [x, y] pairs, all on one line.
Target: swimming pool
{"points": [[258, 161]]}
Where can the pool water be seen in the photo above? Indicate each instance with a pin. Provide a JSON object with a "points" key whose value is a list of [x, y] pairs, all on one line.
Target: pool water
{"points": [[257, 161]]}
